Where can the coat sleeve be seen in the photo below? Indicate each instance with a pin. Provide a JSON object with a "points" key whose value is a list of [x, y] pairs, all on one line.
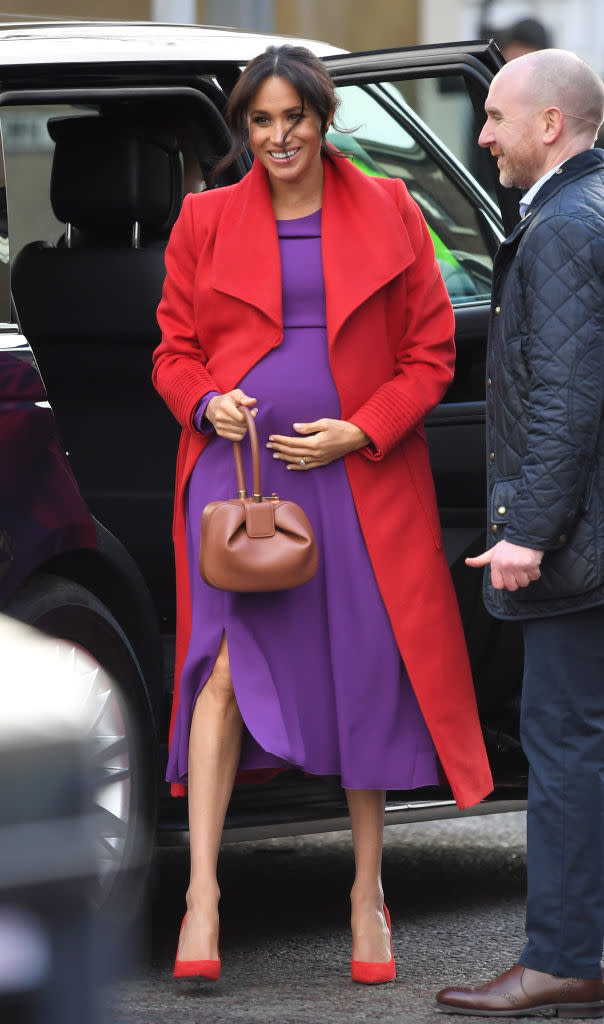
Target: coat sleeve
{"points": [[425, 356], [564, 353], [179, 372]]}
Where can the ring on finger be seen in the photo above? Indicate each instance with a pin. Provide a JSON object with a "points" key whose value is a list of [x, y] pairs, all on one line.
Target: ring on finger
{"points": [[302, 462]]}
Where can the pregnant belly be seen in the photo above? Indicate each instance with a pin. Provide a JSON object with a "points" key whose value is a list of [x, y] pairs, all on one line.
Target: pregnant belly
{"points": [[293, 383]]}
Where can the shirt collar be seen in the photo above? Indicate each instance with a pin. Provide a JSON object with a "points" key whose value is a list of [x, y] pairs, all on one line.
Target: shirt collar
{"points": [[528, 196]]}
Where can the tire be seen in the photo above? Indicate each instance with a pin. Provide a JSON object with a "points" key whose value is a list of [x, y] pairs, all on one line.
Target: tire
{"points": [[125, 769]]}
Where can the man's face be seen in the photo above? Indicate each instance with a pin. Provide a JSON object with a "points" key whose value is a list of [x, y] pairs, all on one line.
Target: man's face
{"points": [[513, 131]]}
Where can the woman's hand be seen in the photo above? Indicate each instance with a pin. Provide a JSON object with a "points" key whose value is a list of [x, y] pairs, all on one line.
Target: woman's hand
{"points": [[223, 413], [320, 443]]}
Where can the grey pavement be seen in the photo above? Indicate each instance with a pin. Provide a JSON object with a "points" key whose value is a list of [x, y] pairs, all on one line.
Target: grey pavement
{"points": [[455, 890]]}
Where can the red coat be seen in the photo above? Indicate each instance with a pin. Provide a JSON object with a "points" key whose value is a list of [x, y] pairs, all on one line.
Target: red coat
{"points": [[390, 332]]}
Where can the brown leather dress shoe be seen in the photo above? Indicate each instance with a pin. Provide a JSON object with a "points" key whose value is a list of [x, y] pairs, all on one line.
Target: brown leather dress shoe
{"points": [[522, 992]]}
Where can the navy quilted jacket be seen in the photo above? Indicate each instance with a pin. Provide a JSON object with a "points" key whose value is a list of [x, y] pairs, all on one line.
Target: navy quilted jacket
{"points": [[545, 394]]}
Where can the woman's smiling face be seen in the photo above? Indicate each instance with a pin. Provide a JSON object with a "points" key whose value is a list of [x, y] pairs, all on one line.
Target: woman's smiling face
{"points": [[277, 109]]}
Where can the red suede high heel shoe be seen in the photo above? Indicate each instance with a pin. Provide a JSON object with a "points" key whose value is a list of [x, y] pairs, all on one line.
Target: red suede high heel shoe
{"points": [[208, 969], [369, 973]]}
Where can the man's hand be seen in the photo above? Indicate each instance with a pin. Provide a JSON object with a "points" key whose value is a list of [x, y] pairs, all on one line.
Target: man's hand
{"points": [[512, 566]]}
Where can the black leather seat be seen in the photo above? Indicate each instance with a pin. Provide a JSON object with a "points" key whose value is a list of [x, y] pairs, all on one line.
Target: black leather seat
{"points": [[118, 194], [88, 306]]}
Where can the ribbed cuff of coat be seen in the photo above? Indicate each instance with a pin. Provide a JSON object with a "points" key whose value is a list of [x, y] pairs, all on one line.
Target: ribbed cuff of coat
{"points": [[384, 424]]}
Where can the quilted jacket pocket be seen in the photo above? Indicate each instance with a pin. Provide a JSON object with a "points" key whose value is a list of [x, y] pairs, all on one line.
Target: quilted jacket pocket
{"points": [[571, 570]]}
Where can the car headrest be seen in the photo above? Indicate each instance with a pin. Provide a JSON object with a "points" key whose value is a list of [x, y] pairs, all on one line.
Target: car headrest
{"points": [[108, 175]]}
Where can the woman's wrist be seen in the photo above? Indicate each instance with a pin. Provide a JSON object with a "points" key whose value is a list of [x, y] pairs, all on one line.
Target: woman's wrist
{"points": [[359, 439], [208, 410], [201, 421]]}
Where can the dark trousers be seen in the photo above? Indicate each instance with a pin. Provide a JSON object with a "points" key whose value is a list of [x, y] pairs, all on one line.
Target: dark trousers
{"points": [[562, 733]]}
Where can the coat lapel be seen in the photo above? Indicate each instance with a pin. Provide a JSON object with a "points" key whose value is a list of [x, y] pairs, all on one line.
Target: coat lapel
{"points": [[246, 261], [365, 244]]}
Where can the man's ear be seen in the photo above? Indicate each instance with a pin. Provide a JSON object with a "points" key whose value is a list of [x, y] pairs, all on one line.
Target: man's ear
{"points": [[553, 122]]}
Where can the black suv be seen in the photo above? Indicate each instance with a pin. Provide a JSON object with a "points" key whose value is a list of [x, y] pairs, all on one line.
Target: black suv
{"points": [[104, 127]]}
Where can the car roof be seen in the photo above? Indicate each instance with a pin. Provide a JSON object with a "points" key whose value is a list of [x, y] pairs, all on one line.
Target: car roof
{"points": [[85, 42]]}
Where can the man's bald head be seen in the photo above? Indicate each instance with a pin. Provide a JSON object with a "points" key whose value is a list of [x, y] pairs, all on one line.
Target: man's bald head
{"points": [[561, 79], [542, 109]]}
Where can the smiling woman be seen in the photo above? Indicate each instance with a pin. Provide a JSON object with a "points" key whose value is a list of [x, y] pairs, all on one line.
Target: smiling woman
{"points": [[312, 89], [285, 137], [310, 294]]}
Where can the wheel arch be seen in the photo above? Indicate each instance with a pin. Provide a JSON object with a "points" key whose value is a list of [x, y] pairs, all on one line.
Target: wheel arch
{"points": [[112, 575]]}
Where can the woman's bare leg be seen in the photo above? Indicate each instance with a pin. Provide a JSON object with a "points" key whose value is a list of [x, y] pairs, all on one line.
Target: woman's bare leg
{"points": [[370, 936], [214, 748]]}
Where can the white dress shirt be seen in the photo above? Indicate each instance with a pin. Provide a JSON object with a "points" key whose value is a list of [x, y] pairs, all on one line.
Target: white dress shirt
{"points": [[528, 196]]}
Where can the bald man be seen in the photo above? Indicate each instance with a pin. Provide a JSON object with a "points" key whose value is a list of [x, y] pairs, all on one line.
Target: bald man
{"points": [[545, 562]]}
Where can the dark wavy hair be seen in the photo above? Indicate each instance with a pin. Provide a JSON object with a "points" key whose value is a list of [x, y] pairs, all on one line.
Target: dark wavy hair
{"points": [[306, 73]]}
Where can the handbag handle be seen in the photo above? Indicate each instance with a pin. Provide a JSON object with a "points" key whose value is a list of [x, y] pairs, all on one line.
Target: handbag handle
{"points": [[253, 436]]}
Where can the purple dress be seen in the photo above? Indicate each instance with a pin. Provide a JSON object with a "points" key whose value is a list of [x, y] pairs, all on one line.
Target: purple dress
{"points": [[316, 670]]}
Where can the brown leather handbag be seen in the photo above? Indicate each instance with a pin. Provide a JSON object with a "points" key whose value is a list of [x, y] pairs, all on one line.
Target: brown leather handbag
{"points": [[257, 543]]}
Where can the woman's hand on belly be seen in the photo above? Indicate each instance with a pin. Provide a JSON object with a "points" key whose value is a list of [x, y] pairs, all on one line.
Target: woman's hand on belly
{"points": [[223, 413], [317, 444]]}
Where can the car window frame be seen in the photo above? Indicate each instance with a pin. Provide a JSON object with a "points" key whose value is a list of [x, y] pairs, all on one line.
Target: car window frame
{"points": [[6, 310], [475, 63]]}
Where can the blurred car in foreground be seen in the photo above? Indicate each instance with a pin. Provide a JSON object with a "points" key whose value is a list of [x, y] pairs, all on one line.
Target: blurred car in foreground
{"points": [[57, 786]]}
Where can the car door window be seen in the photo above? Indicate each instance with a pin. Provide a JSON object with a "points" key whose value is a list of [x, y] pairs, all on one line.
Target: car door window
{"points": [[29, 155], [29, 150], [444, 104], [385, 137]]}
